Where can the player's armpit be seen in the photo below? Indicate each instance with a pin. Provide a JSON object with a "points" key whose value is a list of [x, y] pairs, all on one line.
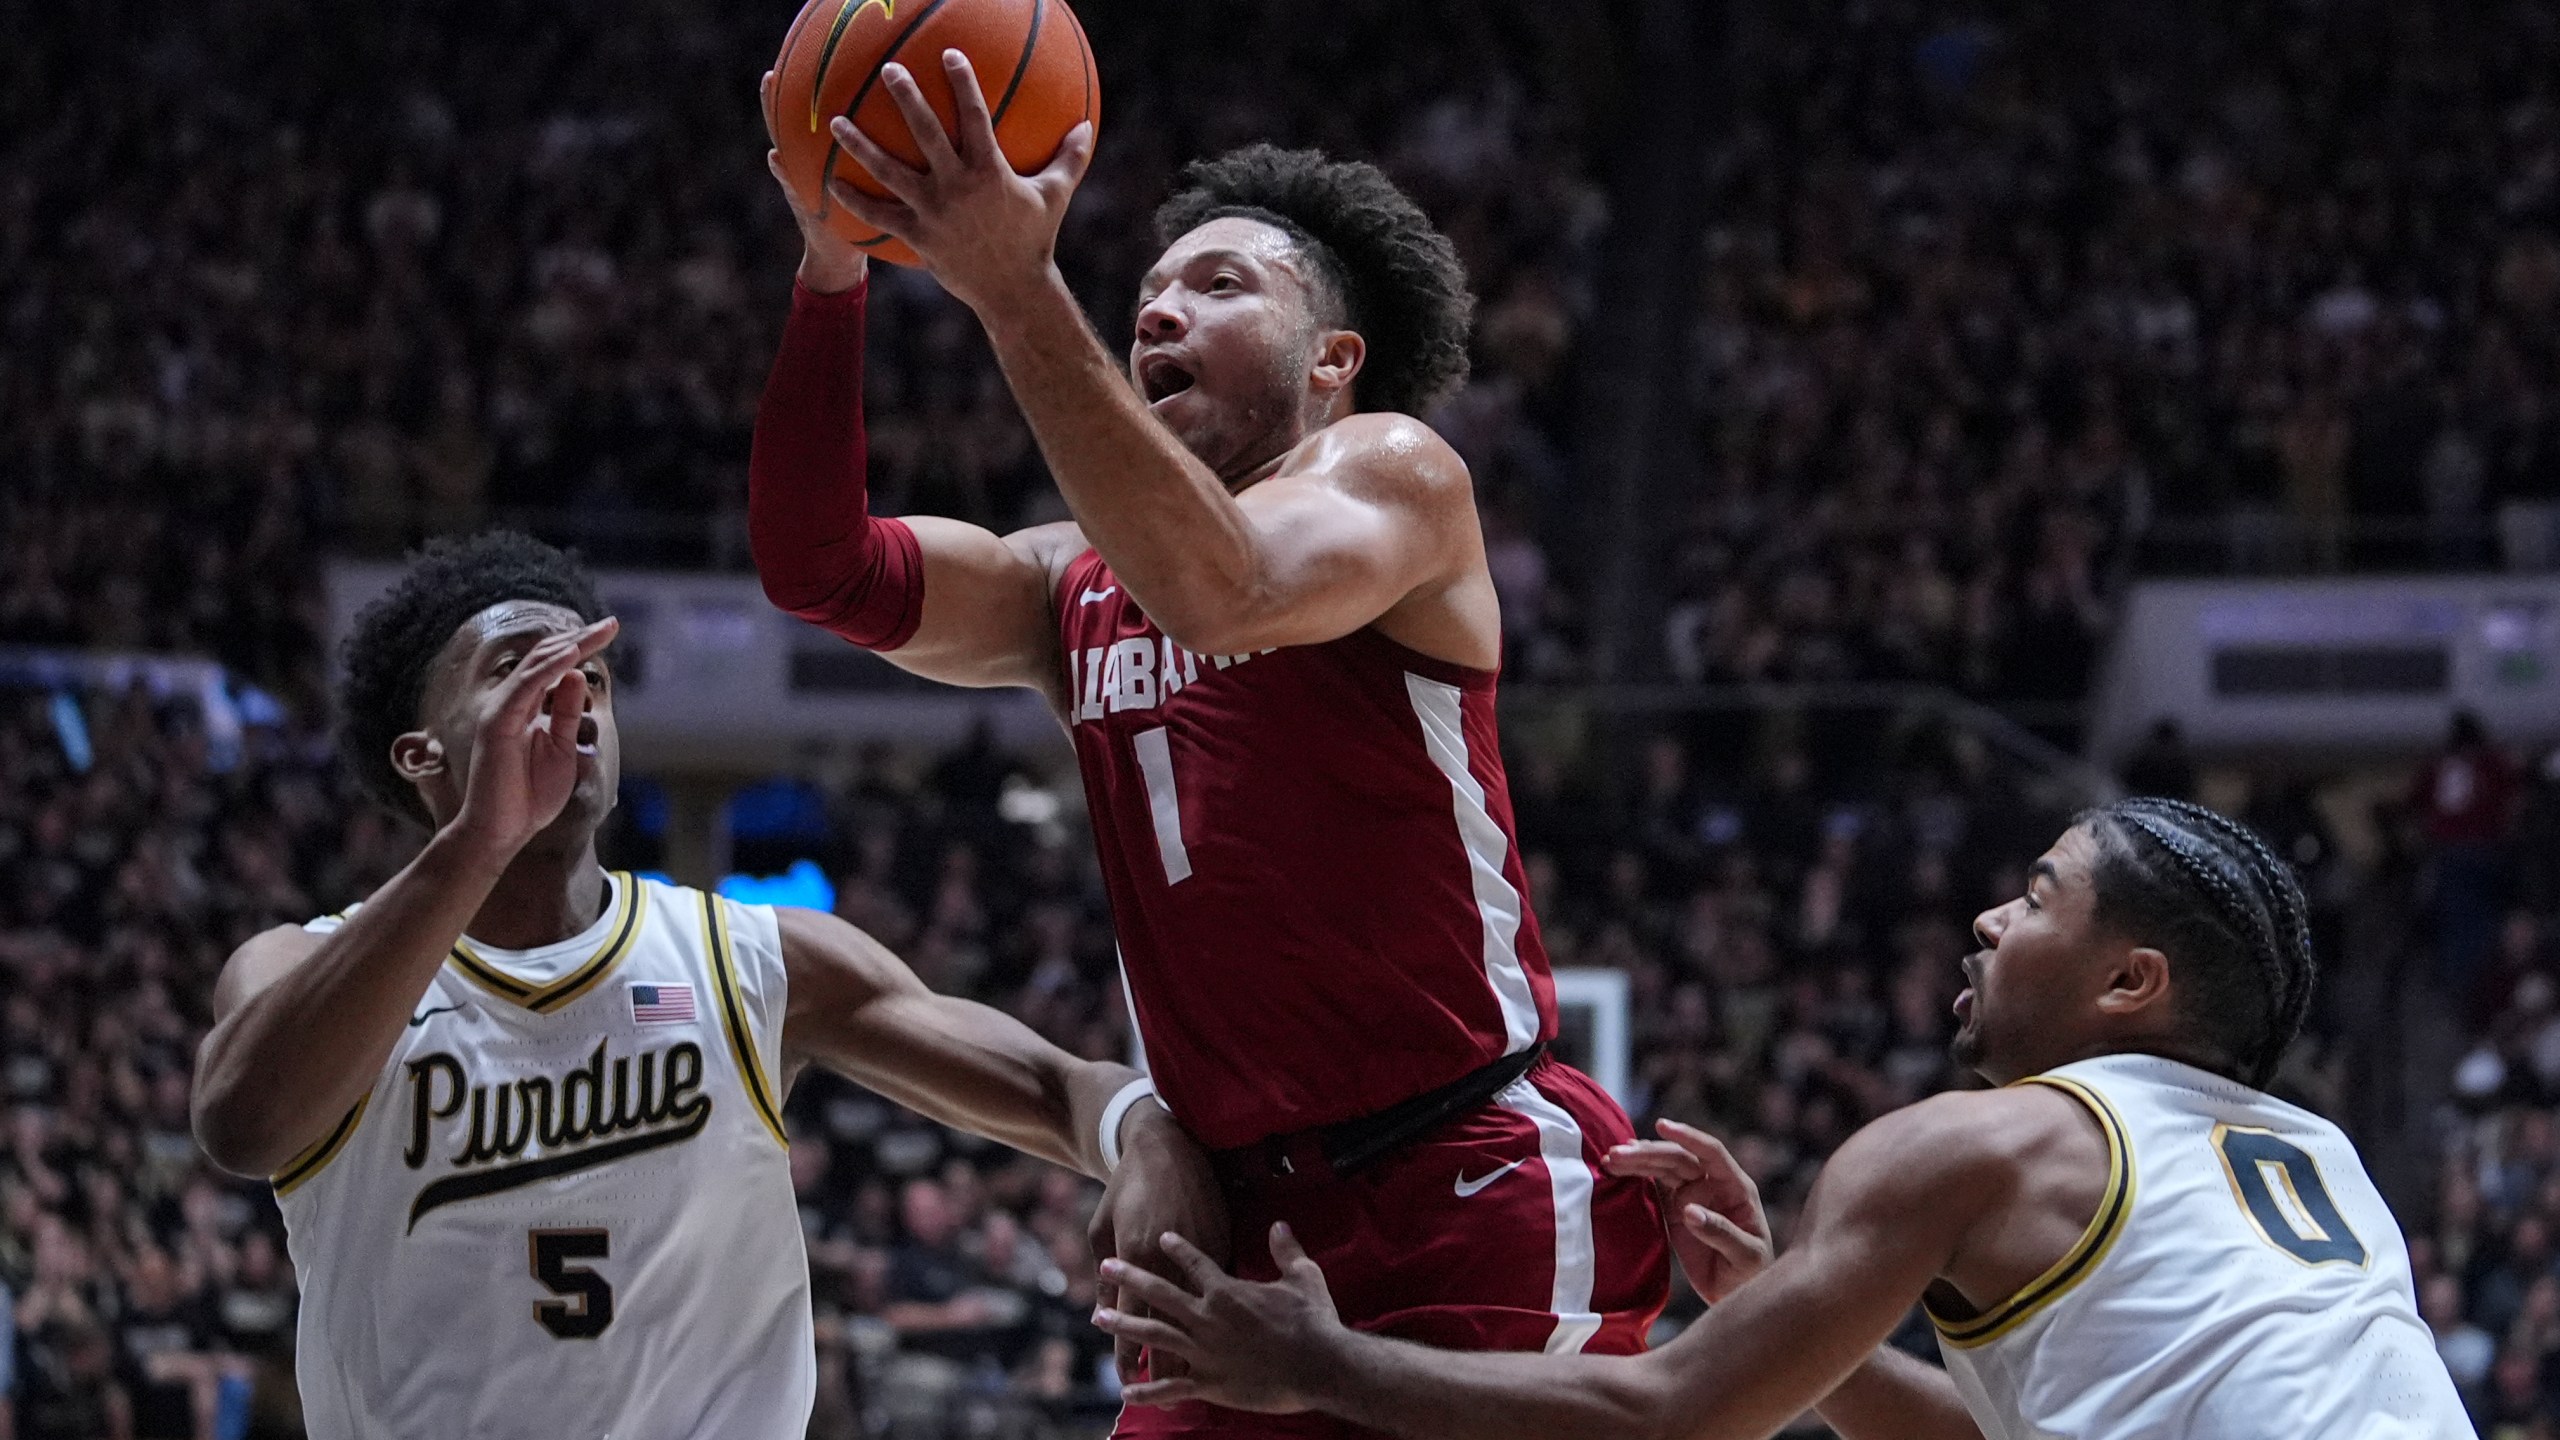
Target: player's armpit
{"points": [[987, 619]]}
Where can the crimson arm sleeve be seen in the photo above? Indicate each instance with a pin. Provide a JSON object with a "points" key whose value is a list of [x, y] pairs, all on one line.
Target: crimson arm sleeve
{"points": [[821, 554]]}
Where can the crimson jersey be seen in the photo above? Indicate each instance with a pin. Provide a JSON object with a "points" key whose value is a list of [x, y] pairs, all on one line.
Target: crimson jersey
{"points": [[1311, 864]]}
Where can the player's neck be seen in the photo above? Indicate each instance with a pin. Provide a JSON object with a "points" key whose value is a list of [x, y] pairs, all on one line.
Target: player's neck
{"points": [[543, 898], [1246, 471], [1244, 478]]}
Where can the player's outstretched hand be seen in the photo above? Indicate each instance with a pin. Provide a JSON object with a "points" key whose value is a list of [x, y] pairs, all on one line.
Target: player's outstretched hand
{"points": [[829, 263], [984, 231], [524, 757], [1243, 1344], [1718, 1227], [1164, 1186]]}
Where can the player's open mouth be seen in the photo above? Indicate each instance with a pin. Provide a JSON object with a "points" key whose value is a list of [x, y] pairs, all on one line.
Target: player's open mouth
{"points": [[1964, 1004], [587, 735], [1161, 377]]}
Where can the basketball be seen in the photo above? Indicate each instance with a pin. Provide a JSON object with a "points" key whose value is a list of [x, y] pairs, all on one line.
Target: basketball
{"points": [[1032, 61]]}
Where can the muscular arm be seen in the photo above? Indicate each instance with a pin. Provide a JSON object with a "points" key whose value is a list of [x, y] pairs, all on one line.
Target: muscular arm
{"points": [[1374, 511], [1367, 513], [303, 1023], [1882, 1222], [945, 599], [858, 1010], [1980, 1190]]}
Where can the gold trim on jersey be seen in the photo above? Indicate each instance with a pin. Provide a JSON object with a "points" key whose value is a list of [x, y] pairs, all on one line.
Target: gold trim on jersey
{"points": [[733, 1017], [2115, 1205], [630, 910], [317, 1157]]}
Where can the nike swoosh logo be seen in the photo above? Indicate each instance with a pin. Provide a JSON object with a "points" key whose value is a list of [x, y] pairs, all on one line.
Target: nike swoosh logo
{"points": [[421, 1017], [1091, 596], [1467, 1187]]}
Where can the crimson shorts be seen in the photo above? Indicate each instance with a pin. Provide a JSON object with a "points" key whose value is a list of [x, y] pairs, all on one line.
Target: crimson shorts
{"points": [[1496, 1231]]}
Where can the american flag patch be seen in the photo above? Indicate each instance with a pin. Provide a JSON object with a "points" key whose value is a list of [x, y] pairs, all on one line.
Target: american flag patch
{"points": [[661, 1004]]}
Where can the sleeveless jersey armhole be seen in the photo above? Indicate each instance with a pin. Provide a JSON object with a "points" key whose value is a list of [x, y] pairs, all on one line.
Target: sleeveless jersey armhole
{"points": [[316, 1156], [742, 946], [2115, 1206]]}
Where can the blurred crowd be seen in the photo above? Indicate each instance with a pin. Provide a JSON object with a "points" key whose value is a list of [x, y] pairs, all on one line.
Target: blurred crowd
{"points": [[2001, 301], [1790, 918], [271, 279], [2485, 824], [1994, 308], [1993, 304]]}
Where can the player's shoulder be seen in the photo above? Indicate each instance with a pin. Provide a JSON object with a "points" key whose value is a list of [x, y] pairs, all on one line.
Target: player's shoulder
{"points": [[1969, 1139], [1384, 453]]}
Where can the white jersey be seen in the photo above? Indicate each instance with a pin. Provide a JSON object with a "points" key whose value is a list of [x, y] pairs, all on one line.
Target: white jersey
{"points": [[2242, 1280], [565, 1210]]}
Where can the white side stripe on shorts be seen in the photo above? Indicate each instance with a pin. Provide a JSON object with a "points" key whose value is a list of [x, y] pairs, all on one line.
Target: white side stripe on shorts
{"points": [[1577, 1256]]}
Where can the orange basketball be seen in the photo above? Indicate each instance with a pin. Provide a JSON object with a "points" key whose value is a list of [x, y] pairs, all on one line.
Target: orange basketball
{"points": [[1030, 55]]}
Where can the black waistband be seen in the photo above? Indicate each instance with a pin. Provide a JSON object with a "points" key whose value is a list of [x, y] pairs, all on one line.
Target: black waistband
{"points": [[1348, 1145]]}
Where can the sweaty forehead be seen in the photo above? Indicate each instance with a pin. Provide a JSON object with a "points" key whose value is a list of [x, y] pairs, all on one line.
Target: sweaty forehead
{"points": [[1258, 241], [509, 618], [523, 621]]}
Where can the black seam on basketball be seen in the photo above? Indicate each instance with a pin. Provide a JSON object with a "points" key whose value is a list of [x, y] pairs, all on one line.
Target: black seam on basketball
{"points": [[835, 36], [828, 175], [1021, 67], [1084, 47], [772, 102]]}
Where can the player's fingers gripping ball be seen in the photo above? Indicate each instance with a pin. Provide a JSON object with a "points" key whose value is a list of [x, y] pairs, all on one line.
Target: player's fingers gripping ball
{"points": [[1030, 56]]}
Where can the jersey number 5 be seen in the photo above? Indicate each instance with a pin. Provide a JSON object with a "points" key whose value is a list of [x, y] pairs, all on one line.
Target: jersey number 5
{"points": [[2279, 1188], [552, 1250]]}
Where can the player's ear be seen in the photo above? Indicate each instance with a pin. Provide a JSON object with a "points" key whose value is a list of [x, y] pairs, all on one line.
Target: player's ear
{"points": [[416, 756], [1339, 356], [2139, 982]]}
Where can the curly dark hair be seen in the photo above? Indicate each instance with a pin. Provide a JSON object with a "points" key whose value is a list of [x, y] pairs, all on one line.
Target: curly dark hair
{"points": [[2225, 909], [397, 638], [1398, 279]]}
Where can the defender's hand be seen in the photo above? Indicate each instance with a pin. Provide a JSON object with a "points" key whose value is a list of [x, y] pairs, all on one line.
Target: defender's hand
{"points": [[1164, 1184], [984, 231], [829, 263], [1718, 1228], [1247, 1346], [524, 752]]}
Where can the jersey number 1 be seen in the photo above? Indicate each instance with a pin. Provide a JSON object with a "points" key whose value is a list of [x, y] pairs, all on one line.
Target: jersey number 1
{"points": [[2280, 1190], [552, 1250], [1164, 803]]}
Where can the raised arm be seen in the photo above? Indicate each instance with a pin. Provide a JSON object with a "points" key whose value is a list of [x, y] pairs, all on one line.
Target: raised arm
{"points": [[945, 599], [303, 1022], [1370, 514]]}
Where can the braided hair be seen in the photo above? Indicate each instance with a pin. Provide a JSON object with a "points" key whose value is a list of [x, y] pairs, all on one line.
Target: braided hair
{"points": [[2227, 911]]}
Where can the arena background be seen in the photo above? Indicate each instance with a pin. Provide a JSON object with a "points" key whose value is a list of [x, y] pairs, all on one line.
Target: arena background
{"points": [[1896, 424]]}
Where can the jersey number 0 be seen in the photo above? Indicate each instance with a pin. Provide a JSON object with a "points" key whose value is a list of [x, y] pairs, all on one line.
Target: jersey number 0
{"points": [[2279, 1188]]}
